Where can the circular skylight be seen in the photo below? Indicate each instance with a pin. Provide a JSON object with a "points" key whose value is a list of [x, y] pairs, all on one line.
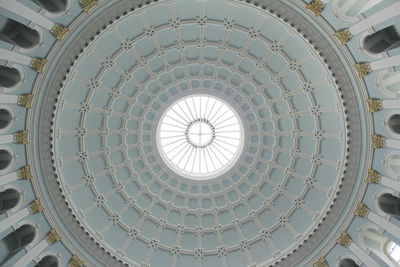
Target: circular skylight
{"points": [[200, 137]]}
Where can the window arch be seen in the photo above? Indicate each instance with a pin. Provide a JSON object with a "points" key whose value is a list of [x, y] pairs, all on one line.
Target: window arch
{"points": [[18, 34], [48, 261], [5, 118], [389, 83], [53, 6], [348, 263], [390, 204], [393, 123], [382, 40], [9, 199], [392, 164], [5, 159], [348, 10], [9, 77], [15, 242]]}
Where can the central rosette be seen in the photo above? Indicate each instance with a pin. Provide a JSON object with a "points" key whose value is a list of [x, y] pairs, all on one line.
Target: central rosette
{"points": [[200, 137]]}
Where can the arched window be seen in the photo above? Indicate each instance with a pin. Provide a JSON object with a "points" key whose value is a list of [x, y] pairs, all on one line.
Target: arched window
{"points": [[389, 83], [390, 205], [393, 164], [347, 263], [48, 261], [384, 248], [54, 6], [5, 118], [394, 123], [15, 242], [382, 40], [5, 159], [9, 77], [15, 33], [350, 9], [8, 200]]}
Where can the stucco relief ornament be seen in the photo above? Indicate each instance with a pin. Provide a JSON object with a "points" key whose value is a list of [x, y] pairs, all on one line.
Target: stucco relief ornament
{"points": [[343, 36], [321, 262], [38, 64], [361, 210], [316, 7], [344, 239], [76, 262], [25, 173], [36, 206], [374, 104], [373, 177], [362, 69], [53, 236], [25, 100], [87, 5], [377, 141], [21, 137], [59, 31]]}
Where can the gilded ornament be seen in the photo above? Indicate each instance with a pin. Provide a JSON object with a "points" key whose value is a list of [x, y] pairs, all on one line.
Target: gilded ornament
{"points": [[25, 173], [76, 261], [38, 64], [26, 100], [361, 210], [362, 69], [36, 206], [316, 7], [53, 236], [87, 5], [377, 141], [374, 104], [321, 262], [343, 36], [59, 31], [344, 239], [21, 137], [373, 177]]}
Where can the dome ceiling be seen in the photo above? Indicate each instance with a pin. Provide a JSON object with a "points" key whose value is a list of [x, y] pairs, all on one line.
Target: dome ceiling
{"points": [[116, 182]]}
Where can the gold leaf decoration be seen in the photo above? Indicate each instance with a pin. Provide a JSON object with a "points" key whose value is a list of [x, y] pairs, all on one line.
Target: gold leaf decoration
{"points": [[362, 69], [21, 137], [343, 36], [316, 7], [25, 173], [374, 104], [36, 206], [53, 236], [38, 64], [25, 100], [344, 239], [87, 5], [59, 31]]}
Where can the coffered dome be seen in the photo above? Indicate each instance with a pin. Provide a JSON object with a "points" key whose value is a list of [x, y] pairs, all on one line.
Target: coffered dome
{"points": [[200, 133]]}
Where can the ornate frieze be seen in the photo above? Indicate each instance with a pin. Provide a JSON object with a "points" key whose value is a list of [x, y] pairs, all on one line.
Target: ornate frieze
{"points": [[21, 137], [36, 206], [38, 64], [59, 31], [377, 141], [76, 261], [374, 104], [53, 236], [362, 69], [343, 36], [344, 239], [321, 262], [373, 177], [361, 210], [316, 7], [25, 100], [25, 173], [87, 5]]}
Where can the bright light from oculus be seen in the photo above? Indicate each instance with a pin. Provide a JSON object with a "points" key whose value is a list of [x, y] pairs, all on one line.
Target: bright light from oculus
{"points": [[200, 137]]}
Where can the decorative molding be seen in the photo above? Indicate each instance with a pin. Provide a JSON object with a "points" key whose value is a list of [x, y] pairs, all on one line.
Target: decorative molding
{"points": [[21, 137], [373, 177], [316, 7], [362, 69], [344, 239], [25, 100], [25, 173], [76, 261], [53, 236], [87, 5], [59, 31], [377, 141], [374, 105], [321, 262], [36, 206], [38, 64], [343, 36], [361, 210]]}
